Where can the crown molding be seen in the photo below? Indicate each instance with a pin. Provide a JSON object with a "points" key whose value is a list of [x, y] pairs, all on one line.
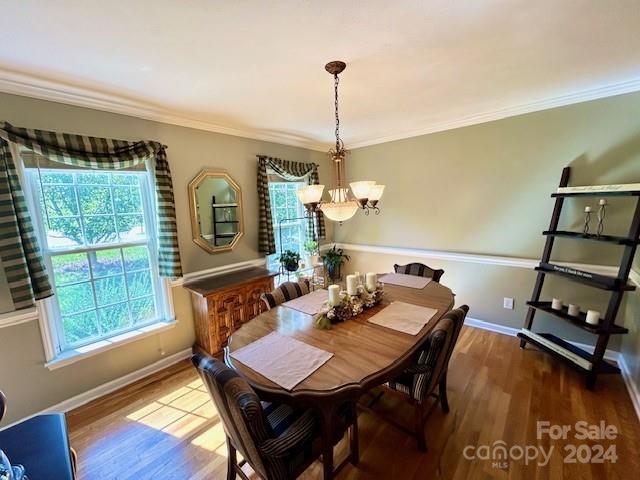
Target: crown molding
{"points": [[603, 91], [16, 83]]}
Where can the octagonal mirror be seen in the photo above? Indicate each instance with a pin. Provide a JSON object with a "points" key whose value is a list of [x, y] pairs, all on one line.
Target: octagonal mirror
{"points": [[216, 211]]}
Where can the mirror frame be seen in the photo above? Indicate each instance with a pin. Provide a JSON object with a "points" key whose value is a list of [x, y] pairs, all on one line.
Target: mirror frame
{"points": [[193, 204]]}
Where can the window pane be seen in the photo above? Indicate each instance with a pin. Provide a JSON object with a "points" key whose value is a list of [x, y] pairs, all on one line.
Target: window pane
{"points": [[95, 200], [70, 268], [143, 310], [106, 262], [94, 178], [139, 284], [131, 228], [110, 290], [127, 199], [100, 229], [64, 232], [56, 177], [136, 258], [75, 298], [80, 327], [124, 179], [60, 200], [113, 318]]}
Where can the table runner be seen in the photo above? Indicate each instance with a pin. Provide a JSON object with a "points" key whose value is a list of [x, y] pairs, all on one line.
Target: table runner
{"points": [[282, 359], [404, 317], [310, 303], [404, 280]]}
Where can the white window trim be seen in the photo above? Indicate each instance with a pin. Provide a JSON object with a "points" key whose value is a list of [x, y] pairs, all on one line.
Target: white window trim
{"points": [[46, 308]]}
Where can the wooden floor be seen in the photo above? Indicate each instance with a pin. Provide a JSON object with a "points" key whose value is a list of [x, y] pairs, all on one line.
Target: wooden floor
{"points": [[166, 427]]}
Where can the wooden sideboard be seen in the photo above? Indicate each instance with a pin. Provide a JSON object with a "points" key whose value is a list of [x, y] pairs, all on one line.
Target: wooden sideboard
{"points": [[221, 304]]}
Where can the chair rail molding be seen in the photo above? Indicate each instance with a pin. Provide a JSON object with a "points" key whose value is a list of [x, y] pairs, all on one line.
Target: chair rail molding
{"points": [[518, 262]]}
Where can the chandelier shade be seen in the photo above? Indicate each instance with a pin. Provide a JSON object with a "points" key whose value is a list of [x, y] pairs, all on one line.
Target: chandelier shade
{"points": [[339, 211], [361, 189], [376, 192], [310, 194]]}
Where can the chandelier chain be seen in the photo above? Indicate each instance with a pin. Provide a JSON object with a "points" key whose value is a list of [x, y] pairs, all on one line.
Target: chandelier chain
{"points": [[336, 81]]}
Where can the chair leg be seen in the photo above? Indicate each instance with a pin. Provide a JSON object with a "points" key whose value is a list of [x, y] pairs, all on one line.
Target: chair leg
{"points": [[420, 425], [354, 442], [231, 461], [444, 402]]}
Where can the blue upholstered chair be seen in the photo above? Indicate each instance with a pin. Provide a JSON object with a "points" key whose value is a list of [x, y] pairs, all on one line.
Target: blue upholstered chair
{"points": [[429, 370], [285, 292], [419, 270], [279, 442]]}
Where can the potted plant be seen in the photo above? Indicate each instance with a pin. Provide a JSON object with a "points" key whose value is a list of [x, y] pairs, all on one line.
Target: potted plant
{"points": [[311, 247], [290, 260], [333, 260]]}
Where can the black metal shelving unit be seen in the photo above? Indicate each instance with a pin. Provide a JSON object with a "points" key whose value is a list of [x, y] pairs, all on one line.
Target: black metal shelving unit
{"points": [[217, 236], [590, 364]]}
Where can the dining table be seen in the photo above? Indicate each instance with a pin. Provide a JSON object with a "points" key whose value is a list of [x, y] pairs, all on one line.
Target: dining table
{"points": [[365, 355]]}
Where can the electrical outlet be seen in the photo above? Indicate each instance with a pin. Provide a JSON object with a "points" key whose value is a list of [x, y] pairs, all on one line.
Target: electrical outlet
{"points": [[508, 303]]}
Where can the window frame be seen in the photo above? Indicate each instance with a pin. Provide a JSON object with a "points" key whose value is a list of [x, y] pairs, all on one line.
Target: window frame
{"points": [[50, 317], [272, 260]]}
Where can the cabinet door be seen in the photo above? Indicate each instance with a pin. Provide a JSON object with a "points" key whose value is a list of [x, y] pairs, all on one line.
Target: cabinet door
{"points": [[254, 305], [230, 313]]}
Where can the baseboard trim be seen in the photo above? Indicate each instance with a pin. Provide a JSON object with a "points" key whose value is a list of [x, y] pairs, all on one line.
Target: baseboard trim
{"points": [[632, 387], [111, 386], [512, 332]]}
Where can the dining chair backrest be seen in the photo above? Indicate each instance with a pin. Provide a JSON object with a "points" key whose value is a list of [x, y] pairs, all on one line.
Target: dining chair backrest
{"points": [[438, 347], [419, 270], [239, 408], [285, 292], [3, 404]]}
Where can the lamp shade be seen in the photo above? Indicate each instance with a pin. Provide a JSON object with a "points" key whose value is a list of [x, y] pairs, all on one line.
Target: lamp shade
{"points": [[339, 211], [338, 195], [376, 192], [361, 189], [310, 194]]}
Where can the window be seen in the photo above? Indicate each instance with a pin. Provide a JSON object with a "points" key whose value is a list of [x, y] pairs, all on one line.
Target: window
{"points": [[100, 253], [286, 211]]}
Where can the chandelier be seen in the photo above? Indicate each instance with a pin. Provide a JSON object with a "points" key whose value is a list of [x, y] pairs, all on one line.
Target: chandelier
{"points": [[344, 201]]}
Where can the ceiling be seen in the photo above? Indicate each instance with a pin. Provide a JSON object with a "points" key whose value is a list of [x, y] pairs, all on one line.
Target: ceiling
{"points": [[256, 68]]}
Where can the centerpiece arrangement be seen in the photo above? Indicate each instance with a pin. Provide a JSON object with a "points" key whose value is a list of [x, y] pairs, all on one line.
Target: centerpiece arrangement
{"points": [[345, 304]]}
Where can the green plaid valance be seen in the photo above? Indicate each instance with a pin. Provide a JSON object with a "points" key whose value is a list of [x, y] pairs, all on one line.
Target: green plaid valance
{"points": [[291, 171], [85, 152]]}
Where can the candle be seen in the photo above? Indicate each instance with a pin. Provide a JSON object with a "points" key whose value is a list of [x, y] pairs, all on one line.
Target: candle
{"points": [[587, 209], [556, 304], [593, 317], [603, 201], [372, 281], [334, 295], [358, 279], [573, 310], [352, 285]]}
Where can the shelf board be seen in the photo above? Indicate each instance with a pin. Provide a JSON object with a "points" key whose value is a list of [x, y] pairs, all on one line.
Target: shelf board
{"points": [[628, 193], [578, 321], [605, 367], [225, 235], [224, 205], [590, 236], [226, 221], [602, 282]]}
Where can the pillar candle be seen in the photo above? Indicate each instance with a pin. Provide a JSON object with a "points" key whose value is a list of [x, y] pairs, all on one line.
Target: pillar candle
{"points": [[593, 317], [556, 304], [352, 285], [573, 310], [372, 280], [334, 295]]}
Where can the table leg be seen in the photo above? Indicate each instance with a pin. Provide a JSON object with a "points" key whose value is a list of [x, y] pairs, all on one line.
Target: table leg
{"points": [[326, 413]]}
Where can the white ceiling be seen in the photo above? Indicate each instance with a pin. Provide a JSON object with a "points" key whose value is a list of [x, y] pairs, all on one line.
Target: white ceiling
{"points": [[256, 68]]}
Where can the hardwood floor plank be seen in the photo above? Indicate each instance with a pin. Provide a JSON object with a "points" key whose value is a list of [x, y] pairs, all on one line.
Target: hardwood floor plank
{"points": [[165, 426]]}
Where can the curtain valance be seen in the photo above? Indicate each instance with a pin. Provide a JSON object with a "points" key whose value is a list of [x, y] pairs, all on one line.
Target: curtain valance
{"points": [[21, 254], [291, 171]]}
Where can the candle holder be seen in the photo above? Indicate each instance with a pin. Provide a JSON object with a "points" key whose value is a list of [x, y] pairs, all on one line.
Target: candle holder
{"points": [[587, 219], [349, 306], [602, 212]]}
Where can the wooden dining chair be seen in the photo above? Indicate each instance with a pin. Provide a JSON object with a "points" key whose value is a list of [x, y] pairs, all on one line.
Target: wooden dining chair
{"points": [[285, 292], [428, 370], [278, 441], [419, 270]]}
